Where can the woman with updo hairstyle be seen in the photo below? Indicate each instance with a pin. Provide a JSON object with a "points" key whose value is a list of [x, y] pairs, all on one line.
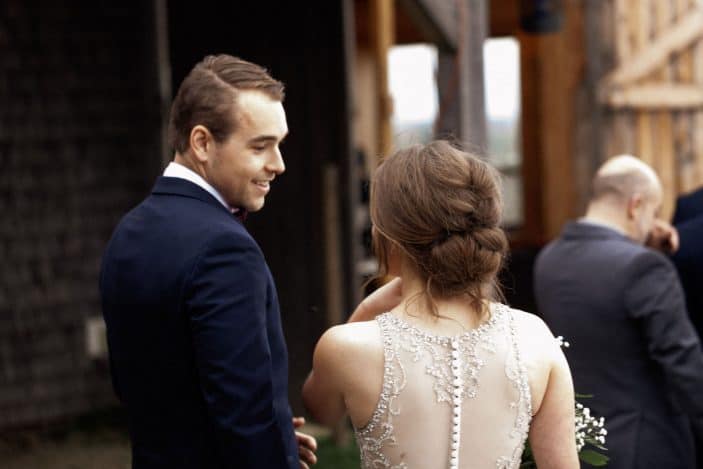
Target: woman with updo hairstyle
{"points": [[434, 371]]}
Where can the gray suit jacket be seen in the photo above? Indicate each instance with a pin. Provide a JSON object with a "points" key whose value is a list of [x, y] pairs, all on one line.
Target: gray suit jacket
{"points": [[633, 347]]}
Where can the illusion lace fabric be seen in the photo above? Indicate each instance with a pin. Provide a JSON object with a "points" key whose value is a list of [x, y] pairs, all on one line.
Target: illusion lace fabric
{"points": [[449, 402]]}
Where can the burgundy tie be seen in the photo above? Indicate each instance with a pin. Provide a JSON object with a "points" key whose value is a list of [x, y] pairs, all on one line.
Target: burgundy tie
{"points": [[241, 214]]}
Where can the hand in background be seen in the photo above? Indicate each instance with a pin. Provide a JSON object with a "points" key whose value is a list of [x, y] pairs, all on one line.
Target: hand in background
{"points": [[663, 237], [383, 299], [306, 445]]}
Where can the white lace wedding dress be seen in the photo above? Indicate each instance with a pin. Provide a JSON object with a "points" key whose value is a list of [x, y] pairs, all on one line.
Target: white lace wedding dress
{"points": [[449, 402]]}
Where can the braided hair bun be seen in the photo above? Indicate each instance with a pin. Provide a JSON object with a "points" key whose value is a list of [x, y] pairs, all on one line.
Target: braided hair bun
{"points": [[442, 207]]}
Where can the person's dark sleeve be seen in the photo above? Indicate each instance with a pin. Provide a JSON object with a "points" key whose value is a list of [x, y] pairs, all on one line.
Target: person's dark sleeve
{"points": [[227, 305], [656, 299]]}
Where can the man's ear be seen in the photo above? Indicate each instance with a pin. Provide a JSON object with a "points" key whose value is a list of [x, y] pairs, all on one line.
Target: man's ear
{"points": [[201, 142], [633, 205]]}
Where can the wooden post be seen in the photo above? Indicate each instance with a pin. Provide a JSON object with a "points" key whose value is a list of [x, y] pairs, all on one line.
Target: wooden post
{"points": [[475, 16], [664, 161], [683, 136], [645, 146], [590, 148], [696, 167], [383, 20], [621, 139], [560, 58], [462, 110]]}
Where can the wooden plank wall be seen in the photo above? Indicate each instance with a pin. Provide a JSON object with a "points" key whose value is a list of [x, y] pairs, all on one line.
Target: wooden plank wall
{"points": [[666, 136]]}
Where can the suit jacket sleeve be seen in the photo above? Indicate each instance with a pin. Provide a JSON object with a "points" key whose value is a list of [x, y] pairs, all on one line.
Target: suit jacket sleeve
{"points": [[656, 299], [227, 301]]}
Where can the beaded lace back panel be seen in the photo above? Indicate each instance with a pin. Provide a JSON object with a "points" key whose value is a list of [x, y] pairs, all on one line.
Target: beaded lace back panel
{"points": [[449, 402]]}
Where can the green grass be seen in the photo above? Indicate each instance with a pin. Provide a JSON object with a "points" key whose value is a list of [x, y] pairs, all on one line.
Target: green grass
{"points": [[331, 456], [100, 439]]}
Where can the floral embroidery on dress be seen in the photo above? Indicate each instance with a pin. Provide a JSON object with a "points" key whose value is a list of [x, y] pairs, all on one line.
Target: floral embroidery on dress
{"points": [[454, 364]]}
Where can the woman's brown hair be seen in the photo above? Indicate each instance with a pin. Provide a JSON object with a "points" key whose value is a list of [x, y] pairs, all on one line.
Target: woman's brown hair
{"points": [[442, 207]]}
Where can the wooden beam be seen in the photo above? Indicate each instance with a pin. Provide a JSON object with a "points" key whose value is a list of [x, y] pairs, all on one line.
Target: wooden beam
{"points": [[657, 96], [654, 55], [683, 133], [382, 14], [663, 15], [504, 18], [622, 37], [407, 30], [697, 124], [684, 62], [560, 69], [590, 146], [437, 19], [619, 134], [644, 138], [664, 123], [462, 110]]}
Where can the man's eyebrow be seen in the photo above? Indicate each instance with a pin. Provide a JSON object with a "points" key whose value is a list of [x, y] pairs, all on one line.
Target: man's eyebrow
{"points": [[266, 138]]}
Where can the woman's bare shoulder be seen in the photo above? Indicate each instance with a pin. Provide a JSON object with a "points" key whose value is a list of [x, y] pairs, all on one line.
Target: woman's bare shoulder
{"points": [[360, 339]]}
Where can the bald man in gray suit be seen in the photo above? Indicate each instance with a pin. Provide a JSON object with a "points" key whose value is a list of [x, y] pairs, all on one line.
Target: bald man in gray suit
{"points": [[621, 307]]}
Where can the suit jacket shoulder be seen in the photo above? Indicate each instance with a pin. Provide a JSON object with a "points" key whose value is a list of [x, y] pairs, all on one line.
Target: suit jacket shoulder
{"points": [[688, 206]]}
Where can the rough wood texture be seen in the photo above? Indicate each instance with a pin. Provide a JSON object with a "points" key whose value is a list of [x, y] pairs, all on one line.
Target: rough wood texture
{"points": [[648, 59], [665, 163], [694, 169], [658, 80], [620, 134]]}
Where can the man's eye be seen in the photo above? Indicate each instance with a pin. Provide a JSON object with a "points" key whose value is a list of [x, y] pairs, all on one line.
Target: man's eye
{"points": [[259, 148]]}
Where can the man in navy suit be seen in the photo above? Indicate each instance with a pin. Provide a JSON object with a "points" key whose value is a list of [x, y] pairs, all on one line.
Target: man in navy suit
{"points": [[621, 307], [688, 206], [197, 352], [688, 219], [688, 260]]}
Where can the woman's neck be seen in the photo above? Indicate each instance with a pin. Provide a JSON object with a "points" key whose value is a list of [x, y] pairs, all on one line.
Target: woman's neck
{"points": [[452, 315]]}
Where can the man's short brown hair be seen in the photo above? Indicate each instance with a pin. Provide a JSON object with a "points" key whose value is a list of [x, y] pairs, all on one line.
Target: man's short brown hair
{"points": [[208, 95]]}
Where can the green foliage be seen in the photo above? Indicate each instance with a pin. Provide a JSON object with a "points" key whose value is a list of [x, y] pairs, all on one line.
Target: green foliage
{"points": [[331, 456], [593, 458]]}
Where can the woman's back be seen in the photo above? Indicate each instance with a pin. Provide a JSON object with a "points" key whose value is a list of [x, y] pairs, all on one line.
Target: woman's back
{"points": [[421, 390], [461, 401]]}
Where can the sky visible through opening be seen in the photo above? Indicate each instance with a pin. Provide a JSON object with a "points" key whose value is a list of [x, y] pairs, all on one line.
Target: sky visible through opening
{"points": [[412, 83]]}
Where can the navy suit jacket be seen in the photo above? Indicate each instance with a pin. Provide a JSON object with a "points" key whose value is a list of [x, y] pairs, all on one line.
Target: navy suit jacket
{"points": [[688, 206], [689, 258], [196, 348], [621, 307], [689, 264]]}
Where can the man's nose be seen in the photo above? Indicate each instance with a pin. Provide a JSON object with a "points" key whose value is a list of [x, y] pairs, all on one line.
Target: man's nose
{"points": [[276, 164]]}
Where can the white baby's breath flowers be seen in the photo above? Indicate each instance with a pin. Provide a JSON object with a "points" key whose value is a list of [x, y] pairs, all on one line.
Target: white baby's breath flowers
{"points": [[588, 428]]}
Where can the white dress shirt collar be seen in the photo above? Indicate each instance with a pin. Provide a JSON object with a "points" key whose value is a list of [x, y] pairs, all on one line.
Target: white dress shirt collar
{"points": [[176, 170]]}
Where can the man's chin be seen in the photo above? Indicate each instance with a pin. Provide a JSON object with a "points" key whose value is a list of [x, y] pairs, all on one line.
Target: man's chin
{"points": [[254, 207]]}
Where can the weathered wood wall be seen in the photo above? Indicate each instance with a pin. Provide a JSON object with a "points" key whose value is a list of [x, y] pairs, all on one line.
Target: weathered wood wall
{"points": [[79, 147], [652, 93]]}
